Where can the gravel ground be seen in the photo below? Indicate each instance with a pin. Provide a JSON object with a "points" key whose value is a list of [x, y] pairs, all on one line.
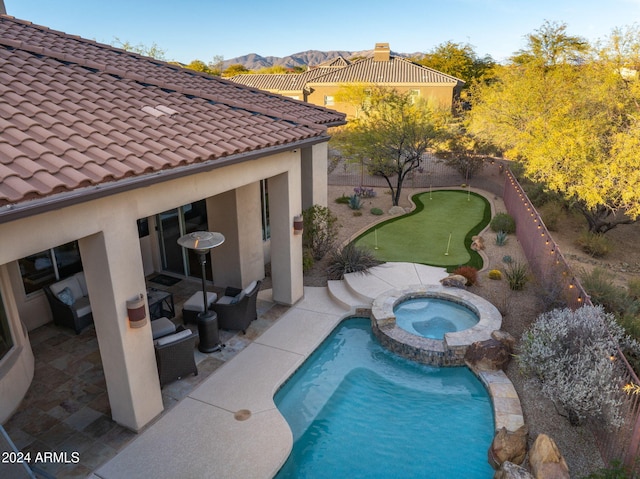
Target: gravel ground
{"points": [[519, 309]]}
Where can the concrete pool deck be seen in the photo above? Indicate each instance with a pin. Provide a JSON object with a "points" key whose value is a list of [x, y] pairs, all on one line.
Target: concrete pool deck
{"points": [[229, 426]]}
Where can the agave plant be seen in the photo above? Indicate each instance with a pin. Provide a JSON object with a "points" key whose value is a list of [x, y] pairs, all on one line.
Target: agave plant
{"points": [[501, 238], [350, 259]]}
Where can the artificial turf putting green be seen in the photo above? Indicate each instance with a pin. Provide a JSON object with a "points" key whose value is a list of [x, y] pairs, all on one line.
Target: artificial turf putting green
{"points": [[423, 235]]}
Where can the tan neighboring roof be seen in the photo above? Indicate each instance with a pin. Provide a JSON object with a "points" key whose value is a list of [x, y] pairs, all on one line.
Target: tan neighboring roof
{"points": [[75, 113], [279, 81], [396, 70]]}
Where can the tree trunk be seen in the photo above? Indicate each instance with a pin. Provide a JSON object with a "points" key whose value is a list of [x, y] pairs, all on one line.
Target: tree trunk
{"points": [[602, 219]]}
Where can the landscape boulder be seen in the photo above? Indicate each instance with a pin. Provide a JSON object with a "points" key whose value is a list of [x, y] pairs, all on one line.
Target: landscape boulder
{"points": [[509, 470], [546, 461], [397, 210], [508, 446], [477, 243], [454, 281], [488, 355], [505, 338]]}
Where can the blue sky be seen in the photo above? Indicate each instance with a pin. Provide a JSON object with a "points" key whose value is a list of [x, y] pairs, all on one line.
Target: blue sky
{"points": [[201, 29]]}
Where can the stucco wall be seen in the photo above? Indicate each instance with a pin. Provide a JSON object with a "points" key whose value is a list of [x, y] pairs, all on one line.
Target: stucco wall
{"points": [[442, 95]]}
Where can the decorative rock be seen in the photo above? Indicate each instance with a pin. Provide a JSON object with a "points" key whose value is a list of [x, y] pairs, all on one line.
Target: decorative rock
{"points": [[397, 210], [546, 461], [509, 470], [489, 355], [508, 446], [477, 243], [454, 281], [505, 338]]}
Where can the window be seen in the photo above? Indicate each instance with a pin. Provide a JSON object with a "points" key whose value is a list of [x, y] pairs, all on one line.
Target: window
{"points": [[264, 200], [328, 100], [46, 267], [414, 94], [5, 335]]}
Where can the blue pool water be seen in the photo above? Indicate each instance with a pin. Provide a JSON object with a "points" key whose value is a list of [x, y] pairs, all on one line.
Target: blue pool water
{"points": [[433, 317], [359, 411]]}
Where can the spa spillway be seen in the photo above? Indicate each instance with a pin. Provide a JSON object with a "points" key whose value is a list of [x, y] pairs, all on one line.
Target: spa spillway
{"points": [[433, 324]]}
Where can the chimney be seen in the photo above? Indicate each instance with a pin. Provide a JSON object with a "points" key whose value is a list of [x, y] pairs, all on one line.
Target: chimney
{"points": [[381, 53], [3, 11]]}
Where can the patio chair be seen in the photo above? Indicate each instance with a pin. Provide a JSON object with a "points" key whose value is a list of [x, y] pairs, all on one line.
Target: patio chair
{"points": [[237, 308], [175, 355]]}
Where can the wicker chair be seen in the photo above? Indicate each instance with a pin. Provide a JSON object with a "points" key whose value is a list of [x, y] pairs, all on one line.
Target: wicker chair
{"points": [[236, 311], [175, 355]]}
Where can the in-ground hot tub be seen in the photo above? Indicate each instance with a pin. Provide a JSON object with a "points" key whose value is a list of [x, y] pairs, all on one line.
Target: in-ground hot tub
{"points": [[433, 317], [433, 342]]}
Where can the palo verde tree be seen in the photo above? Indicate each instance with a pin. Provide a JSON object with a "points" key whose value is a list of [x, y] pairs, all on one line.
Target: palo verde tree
{"points": [[390, 137], [572, 120]]}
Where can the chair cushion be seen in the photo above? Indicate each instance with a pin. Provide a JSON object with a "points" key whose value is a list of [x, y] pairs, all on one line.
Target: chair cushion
{"points": [[194, 303], [72, 283], [227, 300], [82, 306], [82, 282], [250, 287], [172, 338], [66, 296], [162, 327]]}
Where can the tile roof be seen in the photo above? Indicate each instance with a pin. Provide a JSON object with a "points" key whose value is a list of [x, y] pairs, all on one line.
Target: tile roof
{"points": [[396, 70], [75, 113], [280, 81]]}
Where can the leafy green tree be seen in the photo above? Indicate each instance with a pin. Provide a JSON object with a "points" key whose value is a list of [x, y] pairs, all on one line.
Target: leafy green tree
{"points": [[551, 45], [235, 69], [199, 66], [274, 70], [459, 60], [391, 136], [573, 127], [153, 51]]}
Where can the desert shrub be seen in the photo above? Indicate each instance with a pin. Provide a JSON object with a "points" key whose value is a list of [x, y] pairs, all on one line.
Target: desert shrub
{"points": [[600, 287], [634, 288], [501, 238], [363, 192], [495, 274], [376, 211], [616, 470], [342, 200], [551, 213], [503, 222], [355, 203], [320, 230], [469, 272], [307, 260], [350, 259], [569, 354], [517, 273], [594, 244]]}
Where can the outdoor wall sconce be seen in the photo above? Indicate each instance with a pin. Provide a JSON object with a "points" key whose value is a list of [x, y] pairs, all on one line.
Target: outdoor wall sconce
{"points": [[136, 312], [298, 224]]}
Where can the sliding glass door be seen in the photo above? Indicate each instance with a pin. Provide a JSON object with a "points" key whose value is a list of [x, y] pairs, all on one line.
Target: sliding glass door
{"points": [[171, 225]]}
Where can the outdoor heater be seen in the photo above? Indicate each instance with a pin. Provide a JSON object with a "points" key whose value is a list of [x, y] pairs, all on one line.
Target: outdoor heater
{"points": [[201, 242]]}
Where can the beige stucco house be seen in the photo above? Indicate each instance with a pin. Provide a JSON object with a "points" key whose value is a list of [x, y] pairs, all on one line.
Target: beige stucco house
{"points": [[319, 85], [106, 158]]}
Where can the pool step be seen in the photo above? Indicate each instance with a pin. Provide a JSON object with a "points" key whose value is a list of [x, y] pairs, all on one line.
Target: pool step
{"points": [[345, 297]]}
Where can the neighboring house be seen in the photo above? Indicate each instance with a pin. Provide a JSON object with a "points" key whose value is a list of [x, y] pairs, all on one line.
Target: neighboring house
{"points": [[320, 85], [106, 158]]}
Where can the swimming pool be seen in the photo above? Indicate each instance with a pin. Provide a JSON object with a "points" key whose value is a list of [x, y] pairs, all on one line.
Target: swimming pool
{"points": [[357, 410], [433, 317]]}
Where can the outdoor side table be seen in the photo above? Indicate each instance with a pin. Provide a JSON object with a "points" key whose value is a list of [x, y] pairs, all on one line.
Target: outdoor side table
{"points": [[208, 332]]}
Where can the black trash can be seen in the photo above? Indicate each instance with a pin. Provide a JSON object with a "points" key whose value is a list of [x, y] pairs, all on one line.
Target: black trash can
{"points": [[208, 332]]}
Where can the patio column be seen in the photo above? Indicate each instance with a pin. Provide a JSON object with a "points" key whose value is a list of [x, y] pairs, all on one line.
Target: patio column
{"points": [[314, 175], [113, 269], [237, 215], [286, 247]]}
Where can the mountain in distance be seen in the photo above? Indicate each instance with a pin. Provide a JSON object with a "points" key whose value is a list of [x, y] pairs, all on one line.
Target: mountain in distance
{"points": [[253, 61]]}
